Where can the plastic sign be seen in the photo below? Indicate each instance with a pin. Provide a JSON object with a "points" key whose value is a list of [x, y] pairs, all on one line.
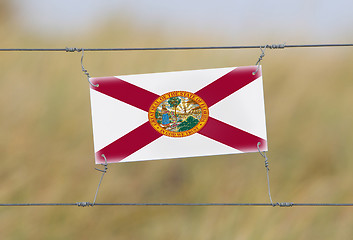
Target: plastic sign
{"points": [[178, 114]]}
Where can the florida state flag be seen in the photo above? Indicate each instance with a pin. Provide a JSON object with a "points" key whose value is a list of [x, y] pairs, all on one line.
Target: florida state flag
{"points": [[178, 114]]}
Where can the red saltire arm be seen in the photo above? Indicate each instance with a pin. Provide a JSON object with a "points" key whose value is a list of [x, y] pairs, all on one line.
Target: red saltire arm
{"points": [[232, 136], [125, 92], [134, 96], [128, 144], [228, 84]]}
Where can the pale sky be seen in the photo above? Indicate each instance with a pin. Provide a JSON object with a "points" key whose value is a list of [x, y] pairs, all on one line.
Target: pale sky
{"points": [[314, 20]]}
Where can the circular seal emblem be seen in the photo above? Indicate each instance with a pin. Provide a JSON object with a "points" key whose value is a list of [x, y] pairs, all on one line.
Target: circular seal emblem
{"points": [[178, 114]]}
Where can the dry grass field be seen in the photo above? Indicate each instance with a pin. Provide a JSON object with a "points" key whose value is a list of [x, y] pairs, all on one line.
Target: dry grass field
{"points": [[46, 146]]}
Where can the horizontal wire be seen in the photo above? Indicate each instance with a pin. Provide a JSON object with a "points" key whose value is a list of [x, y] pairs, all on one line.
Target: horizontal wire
{"points": [[273, 46], [36, 204], [226, 204], [85, 204]]}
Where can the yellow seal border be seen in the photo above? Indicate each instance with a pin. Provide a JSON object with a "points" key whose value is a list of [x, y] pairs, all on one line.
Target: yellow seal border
{"points": [[152, 113]]}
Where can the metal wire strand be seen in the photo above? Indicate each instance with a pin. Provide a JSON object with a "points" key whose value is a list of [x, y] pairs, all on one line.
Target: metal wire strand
{"points": [[272, 46], [86, 204], [260, 59], [103, 172], [263, 154], [83, 69]]}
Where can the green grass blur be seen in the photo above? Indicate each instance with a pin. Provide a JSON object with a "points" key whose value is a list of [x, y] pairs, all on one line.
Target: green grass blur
{"points": [[46, 145]]}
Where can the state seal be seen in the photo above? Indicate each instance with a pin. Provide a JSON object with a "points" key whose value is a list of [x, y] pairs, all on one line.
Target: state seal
{"points": [[178, 114]]}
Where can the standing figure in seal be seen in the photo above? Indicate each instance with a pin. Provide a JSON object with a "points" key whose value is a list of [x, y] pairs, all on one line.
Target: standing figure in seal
{"points": [[165, 115]]}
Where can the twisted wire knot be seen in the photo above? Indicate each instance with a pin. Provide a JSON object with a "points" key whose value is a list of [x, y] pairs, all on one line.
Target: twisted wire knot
{"points": [[67, 49], [85, 72], [283, 204], [267, 164], [261, 56], [84, 204], [276, 46]]}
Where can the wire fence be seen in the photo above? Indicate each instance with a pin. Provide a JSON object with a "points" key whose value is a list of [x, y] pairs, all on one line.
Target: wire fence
{"points": [[262, 47]]}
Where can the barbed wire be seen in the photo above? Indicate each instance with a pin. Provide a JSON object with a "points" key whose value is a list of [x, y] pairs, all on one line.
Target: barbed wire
{"points": [[271, 46]]}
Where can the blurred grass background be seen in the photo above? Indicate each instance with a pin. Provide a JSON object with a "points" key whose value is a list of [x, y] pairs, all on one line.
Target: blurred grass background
{"points": [[47, 145]]}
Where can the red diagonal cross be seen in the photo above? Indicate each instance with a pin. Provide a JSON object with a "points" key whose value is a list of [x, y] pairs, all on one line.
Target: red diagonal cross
{"points": [[145, 134]]}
